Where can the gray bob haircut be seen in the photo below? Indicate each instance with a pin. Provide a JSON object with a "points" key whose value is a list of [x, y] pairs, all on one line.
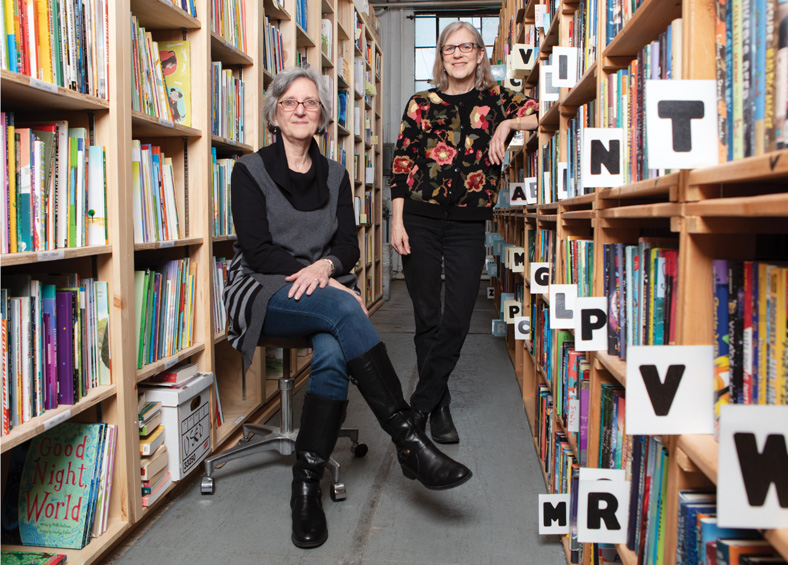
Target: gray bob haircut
{"points": [[282, 81], [440, 77]]}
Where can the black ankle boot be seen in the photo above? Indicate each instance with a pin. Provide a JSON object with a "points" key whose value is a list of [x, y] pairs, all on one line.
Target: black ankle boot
{"points": [[420, 419], [321, 419], [442, 426], [419, 458]]}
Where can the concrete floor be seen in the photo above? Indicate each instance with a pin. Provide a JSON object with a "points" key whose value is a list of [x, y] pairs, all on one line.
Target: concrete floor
{"points": [[386, 518]]}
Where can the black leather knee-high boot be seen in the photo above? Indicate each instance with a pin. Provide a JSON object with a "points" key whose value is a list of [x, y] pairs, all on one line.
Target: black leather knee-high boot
{"points": [[321, 420], [420, 459]]}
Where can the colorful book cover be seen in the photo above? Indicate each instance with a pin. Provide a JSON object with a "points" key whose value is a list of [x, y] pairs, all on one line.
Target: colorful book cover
{"points": [[721, 340], [176, 67], [56, 485], [102, 338], [31, 558]]}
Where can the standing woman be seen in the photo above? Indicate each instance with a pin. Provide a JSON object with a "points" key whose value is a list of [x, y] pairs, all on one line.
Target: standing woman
{"points": [[445, 178], [292, 275]]}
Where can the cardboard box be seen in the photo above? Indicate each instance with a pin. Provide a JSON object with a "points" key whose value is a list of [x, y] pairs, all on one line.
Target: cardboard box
{"points": [[186, 415]]}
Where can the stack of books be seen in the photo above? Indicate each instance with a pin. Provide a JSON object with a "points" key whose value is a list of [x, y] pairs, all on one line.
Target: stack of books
{"points": [[153, 453]]}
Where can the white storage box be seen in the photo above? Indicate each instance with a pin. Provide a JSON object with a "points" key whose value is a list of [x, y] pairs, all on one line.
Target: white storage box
{"points": [[186, 415]]}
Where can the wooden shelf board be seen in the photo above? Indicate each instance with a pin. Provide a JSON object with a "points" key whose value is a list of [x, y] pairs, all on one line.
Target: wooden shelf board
{"points": [[230, 144], [662, 210], [342, 33], [551, 119], [224, 51], [162, 364], [228, 237], [615, 366], [92, 552], [9, 259], [50, 418], [268, 77], [143, 125], [184, 242], [650, 19], [302, 37], [649, 187], [325, 61], [779, 540], [162, 14], [327, 7], [772, 165], [578, 215], [273, 11], [703, 451], [584, 91], [767, 205], [219, 337], [21, 92]]}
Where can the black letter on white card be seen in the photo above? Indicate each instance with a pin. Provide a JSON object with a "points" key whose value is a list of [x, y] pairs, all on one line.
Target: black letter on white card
{"points": [[596, 514], [661, 395], [601, 155], [760, 470], [681, 113]]}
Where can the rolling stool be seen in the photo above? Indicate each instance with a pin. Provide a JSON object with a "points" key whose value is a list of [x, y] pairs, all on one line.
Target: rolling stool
{"points": [[258, 437]]}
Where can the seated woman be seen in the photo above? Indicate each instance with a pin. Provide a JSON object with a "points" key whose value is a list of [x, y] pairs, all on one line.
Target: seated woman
{"points": [[292, 276]]}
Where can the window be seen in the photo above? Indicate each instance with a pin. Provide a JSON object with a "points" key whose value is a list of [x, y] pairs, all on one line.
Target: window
{"points": [[428, 28]]}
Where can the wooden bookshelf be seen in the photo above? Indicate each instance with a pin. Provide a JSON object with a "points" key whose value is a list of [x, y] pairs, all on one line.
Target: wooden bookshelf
{"points": [[716, 212], [112, 123]]}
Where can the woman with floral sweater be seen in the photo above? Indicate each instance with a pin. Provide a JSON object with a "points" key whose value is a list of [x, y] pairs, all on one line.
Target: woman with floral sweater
{"points": [[445, 178]]}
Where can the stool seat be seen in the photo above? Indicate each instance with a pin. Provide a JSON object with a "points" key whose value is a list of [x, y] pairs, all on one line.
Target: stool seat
{"points": [[257, 437]]}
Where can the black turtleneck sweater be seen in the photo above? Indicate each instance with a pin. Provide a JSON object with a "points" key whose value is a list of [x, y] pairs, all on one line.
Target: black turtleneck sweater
{"points": [[305, 192]]}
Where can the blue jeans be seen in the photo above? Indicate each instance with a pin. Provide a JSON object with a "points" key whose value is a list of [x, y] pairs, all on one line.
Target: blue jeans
{"points": [[441, 325], [337, 326]]}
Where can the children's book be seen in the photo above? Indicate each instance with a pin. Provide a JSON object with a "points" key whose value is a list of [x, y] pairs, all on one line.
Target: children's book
{"points": [[31, 558], [57, 489], [176, 67]]}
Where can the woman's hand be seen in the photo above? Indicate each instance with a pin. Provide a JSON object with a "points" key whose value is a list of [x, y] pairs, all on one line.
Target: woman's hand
{"points": [[399, 237], [336, 284], [309, 278], [498, 141]]}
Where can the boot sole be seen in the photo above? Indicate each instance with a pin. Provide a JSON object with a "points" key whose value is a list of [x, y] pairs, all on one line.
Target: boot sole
{"points": [[446, 439], [463, 480], [309, 544]]}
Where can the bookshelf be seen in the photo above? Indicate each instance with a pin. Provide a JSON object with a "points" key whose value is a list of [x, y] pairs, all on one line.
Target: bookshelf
{"points": [[246, 57], [735, 210]]}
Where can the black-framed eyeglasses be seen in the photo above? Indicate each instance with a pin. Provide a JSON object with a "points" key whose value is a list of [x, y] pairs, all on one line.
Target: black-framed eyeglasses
{"points": [[310, 104], [464, 48]]}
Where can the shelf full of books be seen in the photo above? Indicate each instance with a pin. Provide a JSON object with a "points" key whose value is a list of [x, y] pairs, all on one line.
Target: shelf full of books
{"points": [[117, 230], [666, 261]]}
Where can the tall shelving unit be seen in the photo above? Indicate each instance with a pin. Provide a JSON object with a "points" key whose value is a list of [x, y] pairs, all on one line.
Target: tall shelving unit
{"points": [[113, 123], [717, 212]]}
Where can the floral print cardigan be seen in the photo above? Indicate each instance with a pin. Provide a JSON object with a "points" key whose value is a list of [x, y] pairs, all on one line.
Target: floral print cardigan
{"points": [[441, 164]]}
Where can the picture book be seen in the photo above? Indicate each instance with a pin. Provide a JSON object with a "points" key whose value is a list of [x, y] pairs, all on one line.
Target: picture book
{"points": [[174, 377], [58, 485], [31, 558], [176, 66]]}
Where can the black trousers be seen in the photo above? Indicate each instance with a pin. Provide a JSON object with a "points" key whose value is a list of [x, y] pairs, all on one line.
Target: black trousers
{"points": [[441, 328]]}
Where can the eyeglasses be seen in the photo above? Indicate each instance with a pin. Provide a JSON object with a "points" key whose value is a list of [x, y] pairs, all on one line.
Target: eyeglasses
{"points": [[464, 48], [310, 104]]}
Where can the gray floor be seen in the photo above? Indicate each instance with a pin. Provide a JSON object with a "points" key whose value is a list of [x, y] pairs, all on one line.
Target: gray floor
{"points": [[386, 518]]}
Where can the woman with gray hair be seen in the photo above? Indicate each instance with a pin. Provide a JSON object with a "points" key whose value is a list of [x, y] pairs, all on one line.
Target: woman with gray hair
{"points": [[292, 275], [444, 184]]}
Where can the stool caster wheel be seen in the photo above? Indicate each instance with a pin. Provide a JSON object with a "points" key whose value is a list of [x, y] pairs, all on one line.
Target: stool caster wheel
{"points": [[206, 485], [338, 492], [359, 449]]}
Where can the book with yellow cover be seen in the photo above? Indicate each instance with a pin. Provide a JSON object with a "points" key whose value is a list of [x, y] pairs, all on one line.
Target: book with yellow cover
{"points": [[176, 67]]}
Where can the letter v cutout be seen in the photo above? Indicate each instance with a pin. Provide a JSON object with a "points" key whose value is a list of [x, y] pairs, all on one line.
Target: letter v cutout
{"points": [[662, 395]]}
